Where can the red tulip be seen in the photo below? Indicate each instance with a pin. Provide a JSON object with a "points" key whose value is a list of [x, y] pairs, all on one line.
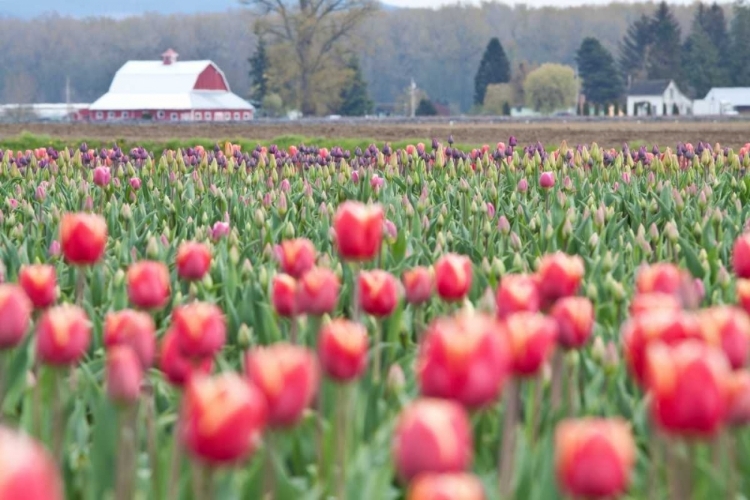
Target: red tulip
{"points": [[296, 257], [743, 294], [689, 387], [741, 256], [645, 302], [148, 284], [124, 374], [63, 335], [177, 368], [83, 237], [287, 375], [661, 277], [728, 327], [15, 315], [560, 276], [284, 295], [594, 457], [318, 292], [342, 350], [456, 486], [418, 285], [575, 321], [668, 327], [532, 339], [453, 276], [135, 329], [359, 230], [193, 261], [39, 281], [28, 471], [465, 358], [738, 398], [222, 418], [432, 436], [378, 292], [517, 293], [200, 328]]}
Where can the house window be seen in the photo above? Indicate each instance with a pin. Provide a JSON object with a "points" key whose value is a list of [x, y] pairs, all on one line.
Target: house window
{"points": [[671, 93], [99, 115], [124, 115], [236, 115], [246, 115], [218, 116], [198, 115], [173, 117], [160, 115]]}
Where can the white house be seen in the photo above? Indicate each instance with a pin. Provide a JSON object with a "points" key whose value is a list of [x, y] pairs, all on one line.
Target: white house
{"points": [[724, 101], [657, 98]]}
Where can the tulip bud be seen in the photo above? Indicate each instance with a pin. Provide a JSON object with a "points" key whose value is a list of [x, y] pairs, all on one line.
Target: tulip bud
{"points": [[15, 315], [532, 339], [560, 276], [177, 368], [378, 292], [594, 457], [342, 350], [296, 257], [517, 293], [466, 358], [575, 321], [738, 400], [222, 418], [83, 238], [148, 284], [359, 230], [124, 375], [453, 277], [287, 376], [418, 285], [63, 334], [200, 329], [29, 471], [456, 486], [432, 436], [193, 261], [318, 291], [728, 328]]}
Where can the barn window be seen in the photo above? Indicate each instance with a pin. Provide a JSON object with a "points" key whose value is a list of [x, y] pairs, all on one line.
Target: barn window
{"points": [[227, 116], [111, 114], [207, 116], [99, 115], [246, 115], [124, 115], [173, 117], [198, 115], [160, 114], [236, 115]]}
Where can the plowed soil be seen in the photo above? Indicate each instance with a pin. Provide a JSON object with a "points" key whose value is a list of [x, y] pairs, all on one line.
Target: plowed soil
{"points": [[733, 133]]}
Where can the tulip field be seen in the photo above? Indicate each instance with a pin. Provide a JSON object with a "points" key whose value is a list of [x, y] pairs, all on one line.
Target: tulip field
{"points": [[515, 321]]}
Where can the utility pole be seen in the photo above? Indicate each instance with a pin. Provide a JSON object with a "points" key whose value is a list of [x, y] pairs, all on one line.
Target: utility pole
{"points": [[413, 98]]}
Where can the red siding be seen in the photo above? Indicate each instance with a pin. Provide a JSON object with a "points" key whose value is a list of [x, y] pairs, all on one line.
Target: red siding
{"points": [[210, 79], [166, 115]]}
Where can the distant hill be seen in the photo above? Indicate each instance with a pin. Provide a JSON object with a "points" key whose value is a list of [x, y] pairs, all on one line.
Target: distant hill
{"points": [[116, 8]]}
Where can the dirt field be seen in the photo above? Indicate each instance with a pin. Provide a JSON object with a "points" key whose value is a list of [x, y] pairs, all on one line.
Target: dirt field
{"points": [[607, 133]]}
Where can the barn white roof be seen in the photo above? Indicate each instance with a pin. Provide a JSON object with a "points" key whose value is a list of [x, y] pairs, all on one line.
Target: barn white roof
{"points": [[152, 85], [736, 96]]}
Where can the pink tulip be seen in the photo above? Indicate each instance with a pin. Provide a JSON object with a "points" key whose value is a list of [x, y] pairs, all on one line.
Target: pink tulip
{"points": [[102, 176], [523, 185], [135, 183], [547, 180]]}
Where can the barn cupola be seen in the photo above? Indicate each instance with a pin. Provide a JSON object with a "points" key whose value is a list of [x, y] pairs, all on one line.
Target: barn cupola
{"points": [[169, 57]]}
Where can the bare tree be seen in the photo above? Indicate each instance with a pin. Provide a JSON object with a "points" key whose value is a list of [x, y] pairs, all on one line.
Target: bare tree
{"points": [[312, 30]]}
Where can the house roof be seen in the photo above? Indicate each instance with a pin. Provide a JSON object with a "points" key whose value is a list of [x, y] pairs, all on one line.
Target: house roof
{"points": [[136, 77], [153, 85], [736, 96], [649, 87]]}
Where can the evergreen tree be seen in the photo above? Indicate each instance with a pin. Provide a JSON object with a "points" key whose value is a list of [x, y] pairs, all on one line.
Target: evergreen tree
{"points": [[494, 68], [596, 67], [664, 57], [700, 63], [426, 108], [634, 49], [740, 36], [355, 101], [259, 71], [714, 24]]}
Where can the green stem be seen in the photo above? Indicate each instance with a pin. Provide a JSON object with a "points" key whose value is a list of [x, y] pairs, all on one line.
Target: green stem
{"points": [[126, 454], [342, 399], [556, 388], [152, 444], [293, 329], [175, 462], [377, 351], [80, 284], [269, 473], [536, 408], [508, 443], [59, 418]]}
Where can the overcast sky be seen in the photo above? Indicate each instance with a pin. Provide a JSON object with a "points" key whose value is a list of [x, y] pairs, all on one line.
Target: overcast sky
{"points": [[534, 3]]}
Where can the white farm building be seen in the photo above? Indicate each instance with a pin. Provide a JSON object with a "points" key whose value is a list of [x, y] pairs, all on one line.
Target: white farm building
{"points": [[724, 101], [657, 98], [168, 90]]}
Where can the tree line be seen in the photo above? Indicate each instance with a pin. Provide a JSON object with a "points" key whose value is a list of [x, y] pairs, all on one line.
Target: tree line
{"points": [[375, 60]]}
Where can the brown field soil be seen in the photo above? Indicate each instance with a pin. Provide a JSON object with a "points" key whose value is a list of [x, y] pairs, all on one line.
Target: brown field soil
{"points": [[613, 133]]}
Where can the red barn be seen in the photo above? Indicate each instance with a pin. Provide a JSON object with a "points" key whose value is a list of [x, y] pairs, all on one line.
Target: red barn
{"points": [[168, 90]]}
